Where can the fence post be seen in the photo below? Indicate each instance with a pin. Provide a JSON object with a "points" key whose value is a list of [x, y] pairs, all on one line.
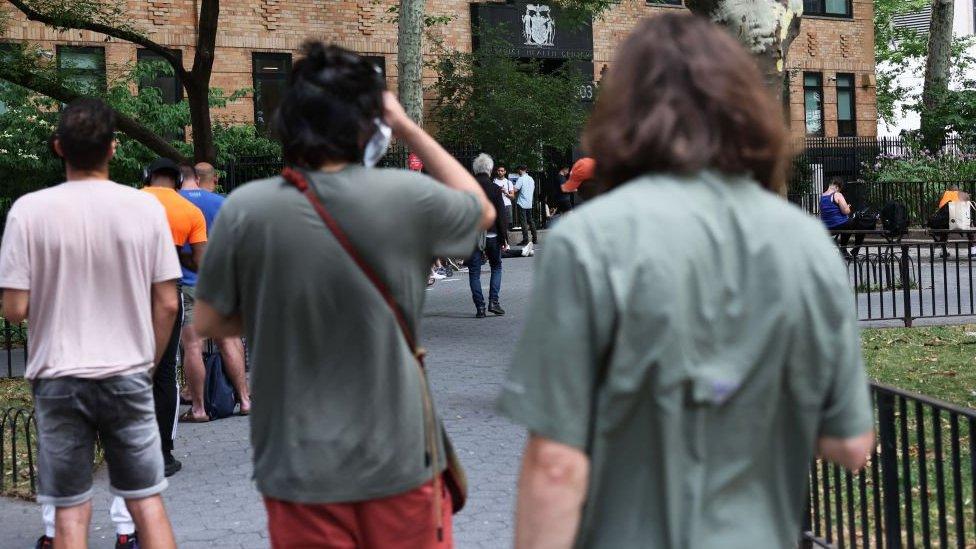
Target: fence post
{"points": [[889, 470], [906, 284]]}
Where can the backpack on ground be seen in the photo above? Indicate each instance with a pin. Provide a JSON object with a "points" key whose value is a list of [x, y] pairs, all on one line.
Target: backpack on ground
{"points": [[894, 218], [218, 394]]}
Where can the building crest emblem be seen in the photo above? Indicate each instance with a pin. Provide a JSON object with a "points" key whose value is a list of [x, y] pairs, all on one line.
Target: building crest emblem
{"points": [[538, 26]]}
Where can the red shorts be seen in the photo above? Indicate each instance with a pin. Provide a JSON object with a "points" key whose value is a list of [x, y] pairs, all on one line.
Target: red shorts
{"points": [[401, 521]]}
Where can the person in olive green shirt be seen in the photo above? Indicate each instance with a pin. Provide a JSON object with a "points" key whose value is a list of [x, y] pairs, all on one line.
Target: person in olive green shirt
{"points": [[707, 338], [339, 423]]}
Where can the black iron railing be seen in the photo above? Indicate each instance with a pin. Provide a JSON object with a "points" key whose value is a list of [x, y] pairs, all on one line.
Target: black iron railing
{"points": [[918, 489], [914, 279], [13, 349], [18, 443]]}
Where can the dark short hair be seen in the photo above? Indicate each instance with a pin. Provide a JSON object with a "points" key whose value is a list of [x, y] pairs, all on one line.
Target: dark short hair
{"points": [[85, 133], [188, 171], [521, 168], [684, 96], [327, 112]]}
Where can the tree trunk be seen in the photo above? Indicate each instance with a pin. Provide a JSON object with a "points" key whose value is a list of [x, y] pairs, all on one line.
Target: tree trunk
{"points": [[766, 28], [937, 74], [198, 85], [409, 58]]}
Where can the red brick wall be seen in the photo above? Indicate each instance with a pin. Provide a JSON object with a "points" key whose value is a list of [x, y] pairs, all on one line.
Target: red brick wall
{"points": [[247, 26]]}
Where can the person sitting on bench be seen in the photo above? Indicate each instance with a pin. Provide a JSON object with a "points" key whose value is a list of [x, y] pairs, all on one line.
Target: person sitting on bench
{"points": [[835, 213]]}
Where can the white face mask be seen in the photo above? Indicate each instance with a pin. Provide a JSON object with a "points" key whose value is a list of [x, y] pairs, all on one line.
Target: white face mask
{"points": [[378, 144]]}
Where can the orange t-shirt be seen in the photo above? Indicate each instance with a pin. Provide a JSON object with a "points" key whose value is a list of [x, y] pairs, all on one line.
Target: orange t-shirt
{"points": [[186, 221], [947, 197]]}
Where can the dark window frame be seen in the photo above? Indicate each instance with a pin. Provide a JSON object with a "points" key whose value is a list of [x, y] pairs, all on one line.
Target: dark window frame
{"points": [[62, 70], [668, 3], [819, 89], [378, 60], [847, 128], [262, 119], [5, 47], [818, 8], [144, 54]]}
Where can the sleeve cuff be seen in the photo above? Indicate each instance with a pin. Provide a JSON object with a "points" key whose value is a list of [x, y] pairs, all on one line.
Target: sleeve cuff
{"points": [[516, 409], [15, 284]]}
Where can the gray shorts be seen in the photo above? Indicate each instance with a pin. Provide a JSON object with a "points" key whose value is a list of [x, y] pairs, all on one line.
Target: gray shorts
{"points": [[70, 413]]}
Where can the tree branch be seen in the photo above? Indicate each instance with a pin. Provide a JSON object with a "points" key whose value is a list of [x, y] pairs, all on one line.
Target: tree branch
{"points": [[121, 33], [55, 90]]}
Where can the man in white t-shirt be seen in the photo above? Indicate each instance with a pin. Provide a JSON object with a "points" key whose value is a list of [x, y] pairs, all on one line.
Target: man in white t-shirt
{"points": [[91, 265], [508, 191]]}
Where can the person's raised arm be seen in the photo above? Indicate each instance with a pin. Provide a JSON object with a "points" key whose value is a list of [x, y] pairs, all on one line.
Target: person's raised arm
{"points": [[551, 492], [440, 164], [165, 306]]}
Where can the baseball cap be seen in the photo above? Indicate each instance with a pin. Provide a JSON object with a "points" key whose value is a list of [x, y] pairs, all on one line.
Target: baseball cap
{"points": [[583, 170], [163, 165]]}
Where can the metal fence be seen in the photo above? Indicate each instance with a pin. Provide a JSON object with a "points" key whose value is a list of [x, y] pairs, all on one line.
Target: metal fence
{"points": [[853, 158], [909, 280], [13, 349], [918, 489], [18, 436]]}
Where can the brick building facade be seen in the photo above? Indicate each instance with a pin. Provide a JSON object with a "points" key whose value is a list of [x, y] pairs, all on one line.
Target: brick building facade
{"points": [[830, 65]]}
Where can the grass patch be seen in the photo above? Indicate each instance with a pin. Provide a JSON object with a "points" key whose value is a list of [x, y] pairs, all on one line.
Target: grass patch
{"points": [[939, 362]]}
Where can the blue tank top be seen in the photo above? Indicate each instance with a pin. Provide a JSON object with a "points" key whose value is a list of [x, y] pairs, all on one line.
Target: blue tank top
{"points": [[830, 212]]}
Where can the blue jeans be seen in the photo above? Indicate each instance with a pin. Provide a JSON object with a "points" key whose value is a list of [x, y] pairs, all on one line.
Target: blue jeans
{"points": [[493, 250]]}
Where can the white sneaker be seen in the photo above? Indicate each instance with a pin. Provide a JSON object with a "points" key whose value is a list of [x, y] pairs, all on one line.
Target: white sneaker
{"points": [[437, 276], [528, 250]]}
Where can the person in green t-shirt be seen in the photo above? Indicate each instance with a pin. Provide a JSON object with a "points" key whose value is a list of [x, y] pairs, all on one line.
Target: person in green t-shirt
{"points": [[340, 421], [707, 335]]}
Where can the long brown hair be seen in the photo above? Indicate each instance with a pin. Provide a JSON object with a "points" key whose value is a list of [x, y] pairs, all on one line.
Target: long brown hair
{"points": [[684, 96]]}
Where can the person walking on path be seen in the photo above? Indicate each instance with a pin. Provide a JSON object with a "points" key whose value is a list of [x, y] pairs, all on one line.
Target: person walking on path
{"points": [[207, 176], [324, 338], [665, 407], [525, 192], [91, 265], [188, 227], [230, 348], [496, 241]]}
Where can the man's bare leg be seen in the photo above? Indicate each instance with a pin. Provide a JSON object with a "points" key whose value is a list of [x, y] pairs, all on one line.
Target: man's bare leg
{"points": [[71, 526], [232, 349], [149, 514], [194, 369]]}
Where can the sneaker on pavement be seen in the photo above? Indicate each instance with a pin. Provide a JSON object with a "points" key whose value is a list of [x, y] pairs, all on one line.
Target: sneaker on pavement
{"points": [[127, 541], [480, 313], [171, 465], [44, 542], [495, 309], [437, 276]]}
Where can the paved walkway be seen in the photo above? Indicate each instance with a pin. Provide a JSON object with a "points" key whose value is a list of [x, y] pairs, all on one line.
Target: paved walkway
{"points": [[213, 503]]}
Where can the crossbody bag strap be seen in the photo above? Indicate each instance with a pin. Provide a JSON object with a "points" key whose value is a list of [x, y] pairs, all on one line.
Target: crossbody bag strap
{"points": [[300, 182]]}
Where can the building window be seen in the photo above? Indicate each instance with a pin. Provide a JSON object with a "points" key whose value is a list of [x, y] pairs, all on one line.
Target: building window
{"points": [[270, 78], [828, 8], [665, 2], [846, 119], [6, 54], [83, 68], [169, 85], [813, 103]]}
